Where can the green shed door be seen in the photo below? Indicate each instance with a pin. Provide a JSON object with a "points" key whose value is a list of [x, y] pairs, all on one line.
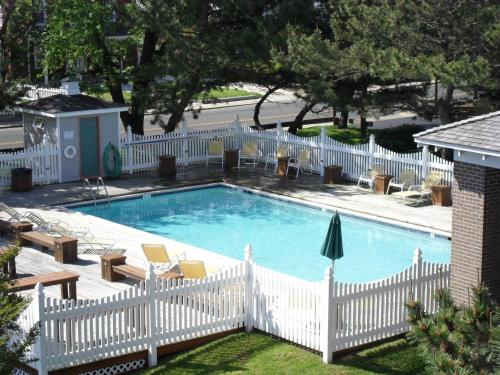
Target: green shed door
{"points": [[89, 147]]}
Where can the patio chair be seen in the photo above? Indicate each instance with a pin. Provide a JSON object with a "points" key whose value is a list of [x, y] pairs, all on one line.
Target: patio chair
{"points": [[195, 269], [157, 255], [404, 181], [272, 158], [250, 151], [215, 151], [14, 215], [369, 176], [41, 224], [88, 243], [417, 193], [301, 162]]}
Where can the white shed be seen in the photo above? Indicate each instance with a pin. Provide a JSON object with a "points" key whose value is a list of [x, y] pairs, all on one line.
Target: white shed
{"points": [[81, 125]]}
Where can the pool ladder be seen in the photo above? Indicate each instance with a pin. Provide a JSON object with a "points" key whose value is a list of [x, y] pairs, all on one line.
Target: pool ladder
{"points": [[95, 190]]}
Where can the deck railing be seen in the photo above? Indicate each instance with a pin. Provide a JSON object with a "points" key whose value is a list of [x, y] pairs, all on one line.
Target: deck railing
{"points": [[325, 316], [189, 146]]}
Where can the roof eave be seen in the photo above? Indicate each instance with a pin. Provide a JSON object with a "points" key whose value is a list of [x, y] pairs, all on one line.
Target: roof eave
{"points": [[475, 150], [72, 113]]}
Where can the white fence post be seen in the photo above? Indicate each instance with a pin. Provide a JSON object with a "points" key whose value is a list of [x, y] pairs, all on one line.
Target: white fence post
{"points": [[425, 161], [322, 152], [417, 277], [237, 127], [371, 150], [185, 148], [149, 286], [40, 345], [279, 134], [129, 148], [326, 323], [248, 304], [46, 159]]}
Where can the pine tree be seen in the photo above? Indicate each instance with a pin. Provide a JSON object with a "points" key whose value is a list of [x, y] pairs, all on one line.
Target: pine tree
{"points": [[458, 339], [13, 341]]}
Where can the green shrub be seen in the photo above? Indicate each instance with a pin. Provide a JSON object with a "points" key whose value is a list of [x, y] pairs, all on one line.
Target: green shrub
{"points": [[398, 139]]}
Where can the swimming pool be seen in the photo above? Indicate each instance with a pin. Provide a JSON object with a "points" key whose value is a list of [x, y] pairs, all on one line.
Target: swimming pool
{"points": [[285, 237]]}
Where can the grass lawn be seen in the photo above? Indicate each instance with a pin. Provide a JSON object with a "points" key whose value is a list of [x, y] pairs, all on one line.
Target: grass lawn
{"points": [[255, 353], [350, 136], [212, 94]]}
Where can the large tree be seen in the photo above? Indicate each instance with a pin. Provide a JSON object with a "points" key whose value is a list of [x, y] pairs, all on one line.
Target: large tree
{"points": [[191, 42]]}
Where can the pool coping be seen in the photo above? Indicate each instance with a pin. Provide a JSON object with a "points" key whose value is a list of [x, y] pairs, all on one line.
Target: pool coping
{"points": [[281, 197]]}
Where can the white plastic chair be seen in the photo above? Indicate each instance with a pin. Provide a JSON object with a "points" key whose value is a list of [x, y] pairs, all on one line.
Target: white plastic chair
{"points": [[419, 191], [272, 158], [215, 151], [299, 163], [406, 179], [250, 151], [369, 176]]}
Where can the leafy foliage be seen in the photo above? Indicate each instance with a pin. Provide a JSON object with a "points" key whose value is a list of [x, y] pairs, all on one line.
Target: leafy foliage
{"points": [[458, 339], [13, 341]]}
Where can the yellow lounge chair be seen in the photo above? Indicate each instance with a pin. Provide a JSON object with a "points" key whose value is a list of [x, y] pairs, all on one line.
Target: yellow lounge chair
{"points": [[215, 151], [157, 255], [250, 151], [195, 269]]}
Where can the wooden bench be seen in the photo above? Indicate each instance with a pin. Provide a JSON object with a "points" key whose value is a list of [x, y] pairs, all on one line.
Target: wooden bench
{"points": [[9, 268], [115, 268], [14, 229], [65, 248], [66, 279]]}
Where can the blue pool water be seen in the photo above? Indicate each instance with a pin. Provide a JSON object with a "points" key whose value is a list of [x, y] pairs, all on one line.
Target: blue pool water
{"points": [[285, 237]]}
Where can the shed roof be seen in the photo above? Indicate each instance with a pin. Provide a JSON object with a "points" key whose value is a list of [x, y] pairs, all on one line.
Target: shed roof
{"points": [[68, 104], [480, 134]]}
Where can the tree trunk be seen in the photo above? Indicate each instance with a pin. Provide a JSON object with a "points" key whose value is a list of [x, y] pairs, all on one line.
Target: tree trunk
{"points": [[363, 126], [344, 119], [256, 110], [297, 123], [445, 113]]}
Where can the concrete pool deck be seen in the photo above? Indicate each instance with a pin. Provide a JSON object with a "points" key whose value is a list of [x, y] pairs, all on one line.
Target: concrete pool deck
{"points": [[307, 188]]}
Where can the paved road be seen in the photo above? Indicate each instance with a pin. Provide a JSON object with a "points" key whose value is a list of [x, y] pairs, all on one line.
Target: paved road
{"points": [[270, 113]]}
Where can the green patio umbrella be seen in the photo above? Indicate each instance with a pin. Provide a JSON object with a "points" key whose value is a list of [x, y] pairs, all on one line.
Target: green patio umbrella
{"points": [[332, 247]]}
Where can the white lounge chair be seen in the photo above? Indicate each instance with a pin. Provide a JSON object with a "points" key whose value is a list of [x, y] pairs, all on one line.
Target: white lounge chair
{"points": [[87, 242], [215, 152], [272, 158], [303, 161], [14, 215], [249, 151], [404, 181], [416, 193], [369, 176]]}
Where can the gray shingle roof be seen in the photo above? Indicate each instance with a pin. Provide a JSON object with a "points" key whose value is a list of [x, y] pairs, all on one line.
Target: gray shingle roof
{"points": [[477, 133], [68, 103]]}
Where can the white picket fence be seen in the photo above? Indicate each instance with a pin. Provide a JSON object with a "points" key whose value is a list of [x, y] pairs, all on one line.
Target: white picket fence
{"points": [[368, 312], [43, 159], [33, 92], [326, 316], [141, 153]]}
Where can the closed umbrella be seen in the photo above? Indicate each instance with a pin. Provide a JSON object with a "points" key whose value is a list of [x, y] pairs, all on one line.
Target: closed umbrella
{"points": [[332, 247]]}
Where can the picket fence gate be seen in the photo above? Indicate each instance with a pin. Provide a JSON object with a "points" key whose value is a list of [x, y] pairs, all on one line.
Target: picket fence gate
{"points": [[326, 316], [189, 146], [43, 159]]}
